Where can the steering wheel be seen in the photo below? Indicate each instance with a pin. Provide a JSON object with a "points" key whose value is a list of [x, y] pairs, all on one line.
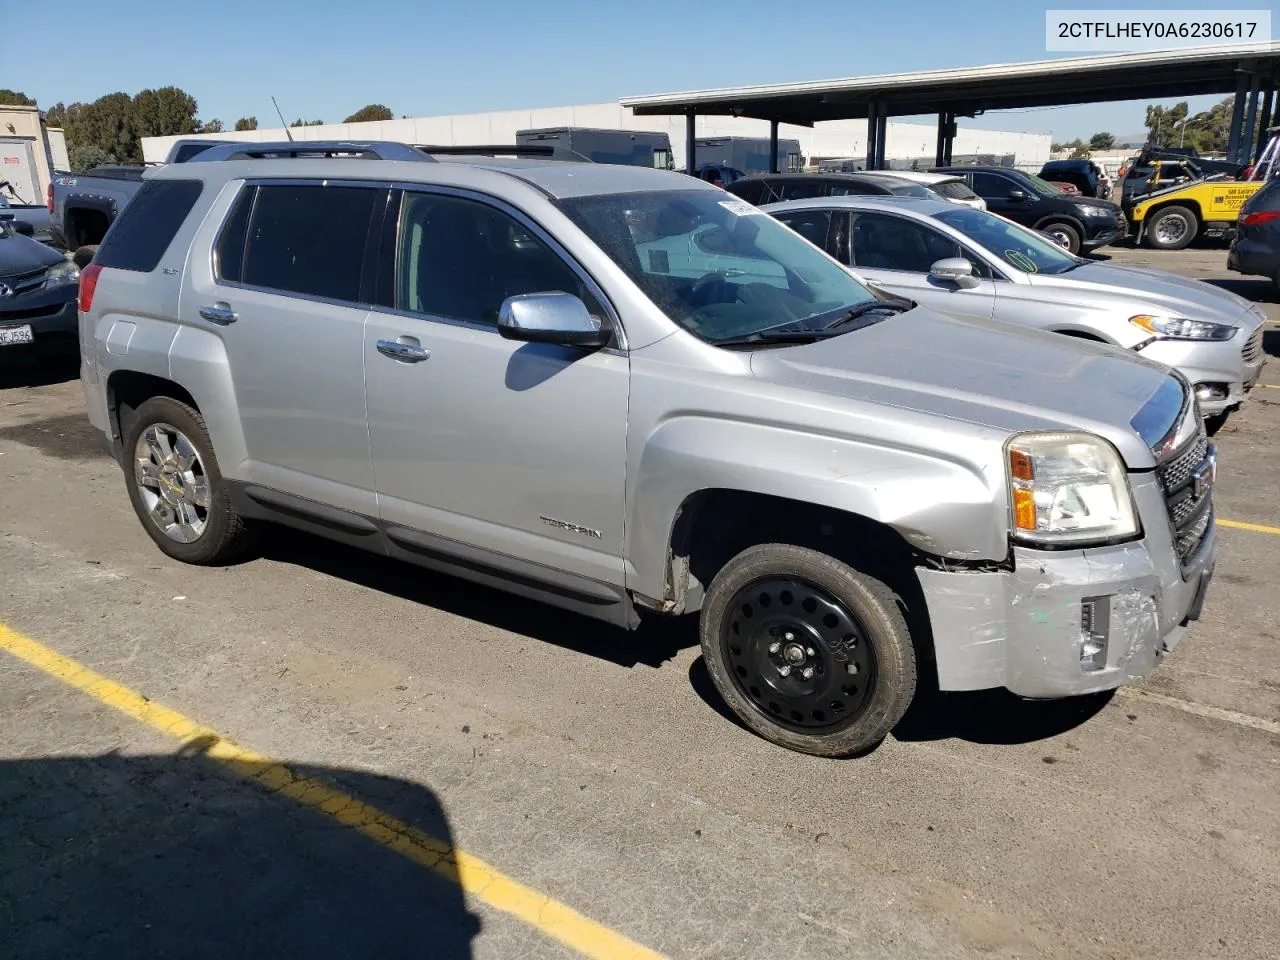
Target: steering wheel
{"points": [[700, 293]]}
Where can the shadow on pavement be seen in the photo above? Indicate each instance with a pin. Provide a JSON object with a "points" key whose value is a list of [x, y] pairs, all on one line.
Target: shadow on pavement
{"points": [[989, 716], [1255, 289], [657, 641], [1271, 343], [171, 855], [26, 372]]}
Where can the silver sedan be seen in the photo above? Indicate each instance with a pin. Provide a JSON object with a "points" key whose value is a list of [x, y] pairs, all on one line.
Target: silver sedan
{"points": [[976, 264]]}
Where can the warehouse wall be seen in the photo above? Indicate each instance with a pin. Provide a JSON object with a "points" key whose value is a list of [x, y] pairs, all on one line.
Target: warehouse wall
{"points": [[841, 138]]}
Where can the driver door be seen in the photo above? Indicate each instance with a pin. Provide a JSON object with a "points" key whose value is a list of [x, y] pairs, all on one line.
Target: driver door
{"points": [[896, 254]]}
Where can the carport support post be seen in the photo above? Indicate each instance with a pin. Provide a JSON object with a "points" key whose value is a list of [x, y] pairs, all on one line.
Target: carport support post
{"points": [[882, 134], [773, 146], [690, 151], [872, 129], [1237, 118], [1250, 118], [939, 150]]}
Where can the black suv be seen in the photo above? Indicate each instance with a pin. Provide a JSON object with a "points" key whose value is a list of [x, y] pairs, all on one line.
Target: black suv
{"points": [[1085, 175], [1079, 223], [776, 187]]}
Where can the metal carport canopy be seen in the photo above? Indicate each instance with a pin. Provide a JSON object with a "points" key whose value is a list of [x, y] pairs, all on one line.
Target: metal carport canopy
{"points": [[966, 91]]}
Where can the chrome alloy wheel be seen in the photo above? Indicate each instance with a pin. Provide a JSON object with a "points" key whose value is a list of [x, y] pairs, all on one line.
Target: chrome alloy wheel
{"points": [[172, 481]]}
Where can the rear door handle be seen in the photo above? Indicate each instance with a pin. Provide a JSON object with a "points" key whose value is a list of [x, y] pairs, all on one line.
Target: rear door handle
{"points": [[404, 352], [220, 312]]}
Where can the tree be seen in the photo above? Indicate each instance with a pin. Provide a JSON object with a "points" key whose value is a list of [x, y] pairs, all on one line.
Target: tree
{"points": [[165, 112], [247, 123], [109, 124], [1077, 147], [1102, 141], [12, 98], [213, 126], [1164, 127], [373, 111], [85, 156], [307, 123]]}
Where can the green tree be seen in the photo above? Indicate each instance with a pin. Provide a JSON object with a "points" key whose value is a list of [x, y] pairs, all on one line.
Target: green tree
{"points": [[12, 98], [1164, 127], [213, 126], [1102, 141], [373, 111], [307, 123], [109, 123], [247, 123], [165, 112], [85, 156]]}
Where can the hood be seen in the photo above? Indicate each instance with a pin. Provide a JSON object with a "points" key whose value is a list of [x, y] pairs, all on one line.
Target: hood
{"points": [[1003, 376], [19, 254], [1164, 293], [1083, 201]]}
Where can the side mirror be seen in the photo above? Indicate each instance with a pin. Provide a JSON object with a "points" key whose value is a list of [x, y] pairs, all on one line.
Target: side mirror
{"points": [[550, 318], [955, 270], [1017, 195]]}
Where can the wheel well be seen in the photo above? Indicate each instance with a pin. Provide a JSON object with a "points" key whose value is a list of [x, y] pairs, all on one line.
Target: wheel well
{"points": [[1064, 218], [85, 226], [713, 526], [1191, 205], [127, 390]]}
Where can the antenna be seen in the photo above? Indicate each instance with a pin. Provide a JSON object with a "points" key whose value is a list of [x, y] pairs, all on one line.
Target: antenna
{"points": [[281, 116]]}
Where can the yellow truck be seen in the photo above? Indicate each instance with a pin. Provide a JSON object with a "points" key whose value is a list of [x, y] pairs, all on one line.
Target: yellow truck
{"points": [[1171, 215]]}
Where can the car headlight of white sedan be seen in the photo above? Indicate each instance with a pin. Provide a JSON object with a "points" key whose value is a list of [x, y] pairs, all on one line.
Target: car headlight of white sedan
{"points": [[1068, 489], [1181, 328]]}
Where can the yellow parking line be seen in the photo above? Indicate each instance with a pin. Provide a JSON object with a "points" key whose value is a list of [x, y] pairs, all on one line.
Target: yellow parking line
{"points": [[1255, 527], [1270, 386], [473, 875]]}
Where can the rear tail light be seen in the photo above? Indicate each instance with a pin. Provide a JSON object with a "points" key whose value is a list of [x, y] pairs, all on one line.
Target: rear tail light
{"points": [[1262, 216], [49, 198], [88, 284]]}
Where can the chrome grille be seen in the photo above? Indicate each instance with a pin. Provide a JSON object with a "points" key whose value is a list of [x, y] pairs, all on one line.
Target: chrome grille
{"points": [[1190, 509], [1252, 348], [21, 283]]}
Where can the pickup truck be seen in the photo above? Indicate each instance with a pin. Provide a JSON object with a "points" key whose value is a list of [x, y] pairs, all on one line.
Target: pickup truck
{"points": [[82, 206]]}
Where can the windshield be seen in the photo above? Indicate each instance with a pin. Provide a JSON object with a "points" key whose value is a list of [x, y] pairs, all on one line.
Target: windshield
{"points": [[1042, 187], [716, 265], [905, 188], [1017, 246]]}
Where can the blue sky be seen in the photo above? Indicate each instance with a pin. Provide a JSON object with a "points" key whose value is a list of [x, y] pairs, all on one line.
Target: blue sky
{"points": [[325, 59]]}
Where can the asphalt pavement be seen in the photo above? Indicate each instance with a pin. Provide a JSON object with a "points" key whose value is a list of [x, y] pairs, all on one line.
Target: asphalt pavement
{"points": [[590, 779]]}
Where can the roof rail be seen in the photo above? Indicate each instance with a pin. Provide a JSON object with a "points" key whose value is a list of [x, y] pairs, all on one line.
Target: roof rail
{"points": [[507, 150], [296, 149]]}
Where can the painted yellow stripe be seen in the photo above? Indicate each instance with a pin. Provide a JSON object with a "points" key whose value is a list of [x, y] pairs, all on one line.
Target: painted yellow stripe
{"points": [[1255, 527], [474, 876], [1270, 386]]}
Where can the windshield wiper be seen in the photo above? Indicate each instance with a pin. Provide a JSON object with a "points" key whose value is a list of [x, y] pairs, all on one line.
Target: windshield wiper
{"points": [[765, 337], [862, 309]]}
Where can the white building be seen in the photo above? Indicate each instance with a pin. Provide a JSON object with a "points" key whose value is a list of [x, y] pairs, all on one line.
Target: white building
{"points": [[841, 138]]}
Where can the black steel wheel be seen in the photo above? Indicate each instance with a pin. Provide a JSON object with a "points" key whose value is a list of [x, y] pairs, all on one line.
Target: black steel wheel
{"points": [[807, 651], [798, 654]]}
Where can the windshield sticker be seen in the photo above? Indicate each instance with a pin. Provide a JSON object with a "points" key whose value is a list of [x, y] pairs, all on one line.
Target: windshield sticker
{"points": [[740, 208], [1021, 261]]}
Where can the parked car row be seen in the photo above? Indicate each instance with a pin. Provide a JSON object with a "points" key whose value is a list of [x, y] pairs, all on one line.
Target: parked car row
{"points": [[837, 435]]}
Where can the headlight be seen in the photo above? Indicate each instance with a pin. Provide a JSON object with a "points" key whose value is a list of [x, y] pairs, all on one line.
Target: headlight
{"points": [[1180, 328], [1089, 210], [1068, 488], [60, 273]]}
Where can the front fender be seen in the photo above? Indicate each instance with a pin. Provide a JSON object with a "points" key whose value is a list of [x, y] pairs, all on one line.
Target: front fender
{"points": [[944, 507]]}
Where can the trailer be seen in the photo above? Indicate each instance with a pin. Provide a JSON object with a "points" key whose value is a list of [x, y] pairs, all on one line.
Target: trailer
{"points": [[633, 148], [748, 154]]}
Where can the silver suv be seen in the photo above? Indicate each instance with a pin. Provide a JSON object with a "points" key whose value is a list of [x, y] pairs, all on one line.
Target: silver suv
{"points": [[624, 392]]}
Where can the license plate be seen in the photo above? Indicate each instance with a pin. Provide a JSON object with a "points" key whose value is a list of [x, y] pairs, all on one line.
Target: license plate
{"points": [[12, 335]]}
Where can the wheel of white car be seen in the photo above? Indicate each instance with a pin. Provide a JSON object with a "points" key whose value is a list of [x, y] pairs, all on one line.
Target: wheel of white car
{"points": [[176, 487], [808, 652]]}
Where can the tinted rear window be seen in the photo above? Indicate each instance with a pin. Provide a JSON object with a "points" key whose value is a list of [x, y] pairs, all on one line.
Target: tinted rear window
{"points": [[146, 227], [309, 239]]}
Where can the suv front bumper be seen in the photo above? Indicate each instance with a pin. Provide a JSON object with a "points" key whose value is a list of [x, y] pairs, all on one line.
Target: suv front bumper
{"points": [[1022, 629]]}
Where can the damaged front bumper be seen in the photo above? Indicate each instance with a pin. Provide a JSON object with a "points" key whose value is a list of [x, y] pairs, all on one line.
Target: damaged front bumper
{"points": [[1063, 623]]}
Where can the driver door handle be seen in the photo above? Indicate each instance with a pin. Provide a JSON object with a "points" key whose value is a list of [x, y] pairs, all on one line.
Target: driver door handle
{"points": [[404, 352], [220, 313]]}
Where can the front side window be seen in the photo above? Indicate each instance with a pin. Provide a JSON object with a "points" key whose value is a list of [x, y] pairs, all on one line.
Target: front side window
{"points": [[1017, 246], [460, 259], [880, 241], [992, 186], [306, 238], [813, 225], [715, 265]]}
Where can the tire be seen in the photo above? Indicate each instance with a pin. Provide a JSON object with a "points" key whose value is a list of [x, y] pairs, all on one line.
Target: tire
{"points": [[1065, 232], [853, 640], [84, 255], [1172, 228], [217, 534]]}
